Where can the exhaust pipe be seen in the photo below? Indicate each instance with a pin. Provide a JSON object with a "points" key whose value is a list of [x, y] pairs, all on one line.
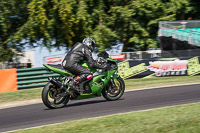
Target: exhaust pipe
{"points": [[57, 84], [61, 86]]}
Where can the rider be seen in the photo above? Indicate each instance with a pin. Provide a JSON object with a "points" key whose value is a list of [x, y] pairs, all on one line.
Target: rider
{"points": [[78, 53]]}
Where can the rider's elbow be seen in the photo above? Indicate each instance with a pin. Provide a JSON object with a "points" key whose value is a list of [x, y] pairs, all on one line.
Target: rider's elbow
{"points": [[91, 64]]}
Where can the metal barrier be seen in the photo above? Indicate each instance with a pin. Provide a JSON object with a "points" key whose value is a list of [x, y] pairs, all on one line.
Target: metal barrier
{"points": [[141, 55], [33, 77], [180, 53]]}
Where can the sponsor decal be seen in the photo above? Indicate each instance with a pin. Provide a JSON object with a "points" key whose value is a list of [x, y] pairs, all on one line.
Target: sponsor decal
{"points": [[55, 59], [193, 66], [183, 22], [166, 68], [96, 84], [121, 56], [125, 71]]}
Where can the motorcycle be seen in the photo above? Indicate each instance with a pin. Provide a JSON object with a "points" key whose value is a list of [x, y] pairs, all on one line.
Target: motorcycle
{"points": [[106, 83]]}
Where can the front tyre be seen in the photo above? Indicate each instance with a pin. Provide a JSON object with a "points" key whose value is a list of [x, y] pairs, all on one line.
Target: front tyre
{"points": [[114, 93], [51, 97]]}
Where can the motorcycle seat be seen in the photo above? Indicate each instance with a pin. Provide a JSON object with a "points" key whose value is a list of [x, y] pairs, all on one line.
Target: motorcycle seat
{"points": [[56, 66], [59, 66]]}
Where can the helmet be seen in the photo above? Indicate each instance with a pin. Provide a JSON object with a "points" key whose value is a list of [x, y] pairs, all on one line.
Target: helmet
{"points": [[89, 42]]}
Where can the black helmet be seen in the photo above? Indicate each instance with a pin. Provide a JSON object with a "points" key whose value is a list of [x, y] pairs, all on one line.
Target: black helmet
{"points": [[90, 42]]}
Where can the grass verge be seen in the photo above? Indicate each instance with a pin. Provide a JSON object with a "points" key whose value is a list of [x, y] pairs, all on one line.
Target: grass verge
{"points": [[131, 84], [160, 81], [177, 119], [21, 95]]}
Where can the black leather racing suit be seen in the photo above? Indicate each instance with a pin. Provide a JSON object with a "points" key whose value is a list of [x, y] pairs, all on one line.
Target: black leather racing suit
{"points": [[75, 56]]}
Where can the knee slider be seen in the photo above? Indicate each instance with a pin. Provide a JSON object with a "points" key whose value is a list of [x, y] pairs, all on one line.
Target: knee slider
{"points": [[89, 77]]}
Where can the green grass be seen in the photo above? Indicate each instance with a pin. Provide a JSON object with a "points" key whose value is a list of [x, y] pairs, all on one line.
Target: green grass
{"points": [[160, 81], [31, 94], [177, 119], [20, 95]]}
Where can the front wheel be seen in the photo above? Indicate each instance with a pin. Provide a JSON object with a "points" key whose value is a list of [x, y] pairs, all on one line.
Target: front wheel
{"points": [[51, 97], [114, 93]]}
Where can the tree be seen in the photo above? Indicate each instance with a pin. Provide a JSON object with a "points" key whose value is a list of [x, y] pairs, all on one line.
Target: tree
{"points": [[54, 23], [48, 21], [103, 34], [13, 14], [136, 22]]}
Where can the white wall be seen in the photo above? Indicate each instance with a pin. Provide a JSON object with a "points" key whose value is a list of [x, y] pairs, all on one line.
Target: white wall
{"points": [[29, 57]]}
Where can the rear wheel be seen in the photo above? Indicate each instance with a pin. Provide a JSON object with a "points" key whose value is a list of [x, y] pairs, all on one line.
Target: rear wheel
{"points": [[52, 97], [114, 93]]}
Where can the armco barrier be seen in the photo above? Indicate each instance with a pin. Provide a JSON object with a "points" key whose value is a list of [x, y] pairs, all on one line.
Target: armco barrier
{"points": [[33, 77], [38, 77]]}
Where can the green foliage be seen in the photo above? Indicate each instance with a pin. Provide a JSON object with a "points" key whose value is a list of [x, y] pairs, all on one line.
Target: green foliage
{"points": [[137, 23], [6, 54], [54, 23], [103, 36], [13, 14]]}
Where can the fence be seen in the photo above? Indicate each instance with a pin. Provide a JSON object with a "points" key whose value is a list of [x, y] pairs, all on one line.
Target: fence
{"points": [[180, 53], [141, 55], [33, 77]]}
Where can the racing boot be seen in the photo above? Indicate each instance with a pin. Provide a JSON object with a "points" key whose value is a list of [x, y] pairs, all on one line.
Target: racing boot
{"points": [[78, 80], [74, 84]]}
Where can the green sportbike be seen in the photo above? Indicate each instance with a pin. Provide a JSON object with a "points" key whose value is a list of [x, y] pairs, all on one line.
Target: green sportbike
{"points": [[106, 83]]}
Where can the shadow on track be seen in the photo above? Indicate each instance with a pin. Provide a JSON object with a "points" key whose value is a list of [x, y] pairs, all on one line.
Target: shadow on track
{"points": [[90, 102], [86, 103]]}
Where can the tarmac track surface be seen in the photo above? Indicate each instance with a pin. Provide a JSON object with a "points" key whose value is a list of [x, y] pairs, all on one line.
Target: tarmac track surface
{"points": [[38, 114]]}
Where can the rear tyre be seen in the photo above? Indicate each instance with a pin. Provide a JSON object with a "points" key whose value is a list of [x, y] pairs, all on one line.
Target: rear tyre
{"points": [[51, 97], [111, 94]]}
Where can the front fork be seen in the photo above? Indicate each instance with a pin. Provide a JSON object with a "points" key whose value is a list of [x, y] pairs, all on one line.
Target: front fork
{"points": [[113, 81]]}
